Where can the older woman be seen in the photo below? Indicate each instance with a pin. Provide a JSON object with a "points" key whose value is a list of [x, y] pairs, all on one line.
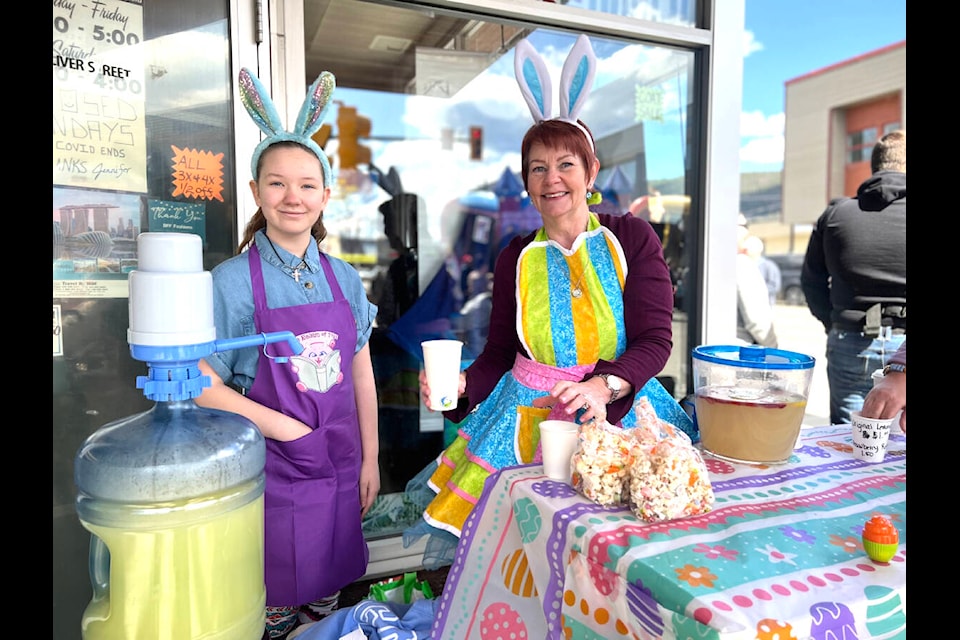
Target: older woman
{"points": [[581, 321]]}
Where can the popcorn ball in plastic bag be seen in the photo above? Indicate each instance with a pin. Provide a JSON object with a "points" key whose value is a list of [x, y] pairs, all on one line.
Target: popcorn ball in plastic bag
{"points": [[654, 468], [667, 477], [601, 463], [669, 481]]}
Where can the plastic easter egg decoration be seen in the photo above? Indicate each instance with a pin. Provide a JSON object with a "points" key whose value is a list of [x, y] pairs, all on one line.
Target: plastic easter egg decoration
{"points": [[880, 538]]}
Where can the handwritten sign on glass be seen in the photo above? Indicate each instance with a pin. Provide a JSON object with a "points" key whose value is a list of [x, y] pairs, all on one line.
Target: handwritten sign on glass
{"points": [[99, 129]]}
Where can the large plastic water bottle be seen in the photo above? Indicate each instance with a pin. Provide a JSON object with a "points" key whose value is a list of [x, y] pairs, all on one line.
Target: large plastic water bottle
{"points": [[173, 497]]}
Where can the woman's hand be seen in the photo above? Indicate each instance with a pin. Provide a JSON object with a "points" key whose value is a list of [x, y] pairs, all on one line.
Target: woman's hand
{"points": [[577, 396], [425, 388]]}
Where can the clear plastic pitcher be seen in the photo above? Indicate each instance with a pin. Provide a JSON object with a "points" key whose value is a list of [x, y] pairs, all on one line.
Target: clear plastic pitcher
{"points": [[750, 401], [173, 498]]}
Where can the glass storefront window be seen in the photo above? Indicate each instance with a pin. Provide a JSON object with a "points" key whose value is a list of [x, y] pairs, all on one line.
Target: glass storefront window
{"points": [[679, 12], [142, 141], [424, 218]]}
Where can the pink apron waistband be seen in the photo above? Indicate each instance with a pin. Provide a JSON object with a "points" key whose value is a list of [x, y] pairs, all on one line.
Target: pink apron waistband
{"points": [[543, 376]]}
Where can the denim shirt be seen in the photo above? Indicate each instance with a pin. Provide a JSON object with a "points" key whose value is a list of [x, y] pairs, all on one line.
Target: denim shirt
{"points": [[233, 301]]}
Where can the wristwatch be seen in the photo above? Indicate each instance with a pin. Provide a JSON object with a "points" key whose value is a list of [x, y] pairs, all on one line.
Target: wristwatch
{"points": [[896, 367], [614, 384]]}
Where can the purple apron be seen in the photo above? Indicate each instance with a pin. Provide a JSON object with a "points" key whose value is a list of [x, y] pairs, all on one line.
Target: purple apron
{"points": [[313, 541]]}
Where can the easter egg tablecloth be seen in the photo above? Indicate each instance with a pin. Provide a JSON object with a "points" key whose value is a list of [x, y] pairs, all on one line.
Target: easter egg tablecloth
{"points": [[779, 557]]}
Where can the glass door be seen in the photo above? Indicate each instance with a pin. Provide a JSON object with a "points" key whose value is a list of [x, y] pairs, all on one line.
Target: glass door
{"points": [[425, 141], [142, 141]]}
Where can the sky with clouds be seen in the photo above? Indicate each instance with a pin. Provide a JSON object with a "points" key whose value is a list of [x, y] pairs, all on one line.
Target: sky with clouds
{"points": [[782, 41], [785, 40]]}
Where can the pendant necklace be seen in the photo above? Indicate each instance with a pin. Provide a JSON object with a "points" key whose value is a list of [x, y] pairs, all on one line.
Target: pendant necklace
{"points": [[294, 271], [575, 290]]}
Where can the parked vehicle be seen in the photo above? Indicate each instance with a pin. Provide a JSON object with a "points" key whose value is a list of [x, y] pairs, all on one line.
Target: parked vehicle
{"points": [[790, 266]]}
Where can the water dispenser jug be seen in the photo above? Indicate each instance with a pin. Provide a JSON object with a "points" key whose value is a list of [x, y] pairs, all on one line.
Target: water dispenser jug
{"points": [[173, 497]]}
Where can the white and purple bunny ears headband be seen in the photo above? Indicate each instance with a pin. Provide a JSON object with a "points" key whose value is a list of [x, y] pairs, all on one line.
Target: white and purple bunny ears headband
{"points": [[261, 108], [576, 79]]}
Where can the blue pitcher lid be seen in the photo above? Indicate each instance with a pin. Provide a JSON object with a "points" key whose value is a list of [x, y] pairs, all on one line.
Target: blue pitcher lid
{"points": [[753, 356]]}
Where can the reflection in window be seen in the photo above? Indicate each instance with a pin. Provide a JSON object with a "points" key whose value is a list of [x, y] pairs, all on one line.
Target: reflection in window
{"points": [[425, 219], [679, 12]]}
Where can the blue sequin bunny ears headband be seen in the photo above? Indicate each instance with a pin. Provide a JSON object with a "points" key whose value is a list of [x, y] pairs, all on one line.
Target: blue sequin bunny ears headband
{"points": [[264, 113], [576, 80]]}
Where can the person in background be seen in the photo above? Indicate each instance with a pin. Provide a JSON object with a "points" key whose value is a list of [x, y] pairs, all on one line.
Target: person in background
{"points": [[316, 410], [754, 311], [742, 230], [889, 395], [854, 276], [560, 343], [473, 321], [397, 289], [768, 268]]}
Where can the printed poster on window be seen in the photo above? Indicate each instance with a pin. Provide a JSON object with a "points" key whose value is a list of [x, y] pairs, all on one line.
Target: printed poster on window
{"points": [[99, 130], [167, 216], [94, 242]]}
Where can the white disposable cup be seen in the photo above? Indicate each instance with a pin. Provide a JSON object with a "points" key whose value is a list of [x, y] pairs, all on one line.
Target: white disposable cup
{"points": [[877, 376], [441, 361], [558, 442], [870, 437]]}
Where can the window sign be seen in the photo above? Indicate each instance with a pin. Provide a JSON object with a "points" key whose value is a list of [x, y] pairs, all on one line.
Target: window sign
{"points": [[94, 242], [197, 174], [99, 131], [170, 216], [649, 104]]}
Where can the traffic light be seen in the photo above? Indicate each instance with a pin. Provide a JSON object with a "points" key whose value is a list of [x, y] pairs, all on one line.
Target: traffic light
{"points": [[351, 127], [322, 136], [476, 143]]}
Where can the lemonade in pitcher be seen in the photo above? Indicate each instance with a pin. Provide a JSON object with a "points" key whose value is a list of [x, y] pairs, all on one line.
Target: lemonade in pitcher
{"points": [[174, 571]]}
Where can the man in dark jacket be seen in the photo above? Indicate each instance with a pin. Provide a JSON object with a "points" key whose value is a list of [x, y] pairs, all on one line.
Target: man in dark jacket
{"points": [[855, 276]]}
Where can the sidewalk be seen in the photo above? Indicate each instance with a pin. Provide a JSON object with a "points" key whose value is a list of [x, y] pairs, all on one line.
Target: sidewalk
{"points": [[797, 330]]}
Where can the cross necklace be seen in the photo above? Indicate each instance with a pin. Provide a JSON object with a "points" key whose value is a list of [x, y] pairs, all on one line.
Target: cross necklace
{"points": [[295, 271]]}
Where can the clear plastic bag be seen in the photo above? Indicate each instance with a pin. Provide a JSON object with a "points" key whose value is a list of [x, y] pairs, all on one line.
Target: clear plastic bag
{"points": [[601, 463], [654, 468], [667, 477]]}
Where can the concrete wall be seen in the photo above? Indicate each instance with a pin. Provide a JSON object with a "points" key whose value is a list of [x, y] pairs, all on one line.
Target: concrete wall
{"points": [[815, 107]]}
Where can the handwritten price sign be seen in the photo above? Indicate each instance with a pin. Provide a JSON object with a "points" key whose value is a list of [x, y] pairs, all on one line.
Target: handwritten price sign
{"points": [[99, 130], [197, 174]]}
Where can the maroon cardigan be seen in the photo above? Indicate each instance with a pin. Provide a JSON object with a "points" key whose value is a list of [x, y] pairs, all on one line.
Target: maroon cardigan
{"points": [[648, 311]]}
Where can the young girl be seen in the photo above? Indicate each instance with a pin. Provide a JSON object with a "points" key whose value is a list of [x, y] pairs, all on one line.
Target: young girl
{"points": [[318, 409]]}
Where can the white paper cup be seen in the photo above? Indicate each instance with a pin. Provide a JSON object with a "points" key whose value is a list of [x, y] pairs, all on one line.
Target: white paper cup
{"points": [[870, 437], [877, 376], [558, 443], [441, 361]]}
